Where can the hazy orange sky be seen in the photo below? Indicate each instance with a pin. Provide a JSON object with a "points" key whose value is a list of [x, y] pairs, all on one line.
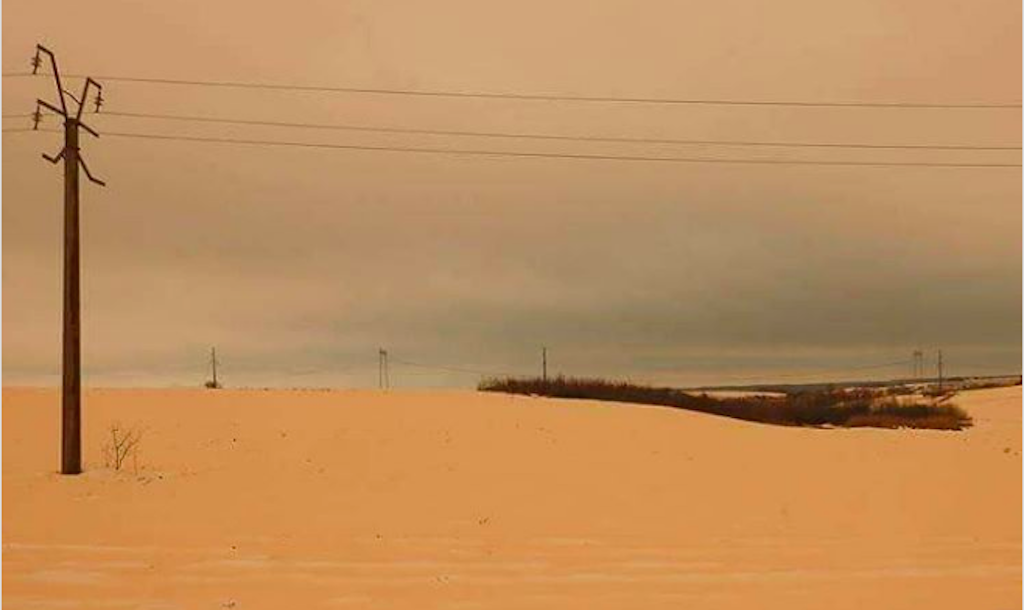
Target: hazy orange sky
{"points": [[299, 263]]}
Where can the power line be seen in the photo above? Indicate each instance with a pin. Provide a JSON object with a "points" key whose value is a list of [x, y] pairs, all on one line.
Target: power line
{"points": [[539, 136], [451, 369], [474, 371], [543, 97], [545, 155], [864, 367], [494, 153], [323, 370]]}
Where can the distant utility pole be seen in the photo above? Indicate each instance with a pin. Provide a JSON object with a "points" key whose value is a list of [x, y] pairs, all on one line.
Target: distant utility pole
{"points": [[213, 383], [382, 369], [918, 366], [71, 394], [940, 370], [544, 363]]}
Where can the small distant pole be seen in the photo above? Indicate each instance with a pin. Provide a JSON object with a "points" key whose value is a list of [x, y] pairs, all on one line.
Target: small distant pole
{"points": [[382, 369], [940, 371], [544, 363], [213, 365], [213, 384]]}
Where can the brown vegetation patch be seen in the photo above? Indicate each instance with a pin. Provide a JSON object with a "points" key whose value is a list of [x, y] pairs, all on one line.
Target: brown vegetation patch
{"points": [[818, 408]]}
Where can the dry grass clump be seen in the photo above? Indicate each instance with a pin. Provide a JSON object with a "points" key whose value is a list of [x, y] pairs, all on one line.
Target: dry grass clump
{"points": [[831, 407], [927, 416]]}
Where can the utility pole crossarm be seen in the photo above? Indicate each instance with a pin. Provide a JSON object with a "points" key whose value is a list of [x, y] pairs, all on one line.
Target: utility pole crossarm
{"points": [[87, 128], [89, 82], [36, 62], [51, 108], [88, 174]]}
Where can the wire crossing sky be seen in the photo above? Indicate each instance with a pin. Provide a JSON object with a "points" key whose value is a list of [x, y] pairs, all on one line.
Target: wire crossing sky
{"points": [[543, 97], [541, 155], [537, 136]]}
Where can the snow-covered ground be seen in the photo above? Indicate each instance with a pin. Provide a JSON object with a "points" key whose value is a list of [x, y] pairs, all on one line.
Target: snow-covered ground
{"points": [[365, 499]]}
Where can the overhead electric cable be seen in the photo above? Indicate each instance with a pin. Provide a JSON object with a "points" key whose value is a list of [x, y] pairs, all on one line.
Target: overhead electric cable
{"points": [[540, 136], [541, 96], [549, 155], [595, 157]]}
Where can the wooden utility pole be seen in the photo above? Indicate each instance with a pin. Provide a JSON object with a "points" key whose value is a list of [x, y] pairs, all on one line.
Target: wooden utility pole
{"points": [[544, 363], [71, 392], [71, 406], [213, 367], [382, 369], [940, 371]]}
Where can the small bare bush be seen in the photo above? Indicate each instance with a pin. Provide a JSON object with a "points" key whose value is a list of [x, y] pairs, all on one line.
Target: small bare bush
{"points": [[122, 444]]}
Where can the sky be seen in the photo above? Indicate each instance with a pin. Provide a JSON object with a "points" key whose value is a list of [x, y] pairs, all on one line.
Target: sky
{"points": [[300, 263]]}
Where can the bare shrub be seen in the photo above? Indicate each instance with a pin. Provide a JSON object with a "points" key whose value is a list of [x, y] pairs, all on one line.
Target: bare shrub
{"points": [[122, 444]]}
